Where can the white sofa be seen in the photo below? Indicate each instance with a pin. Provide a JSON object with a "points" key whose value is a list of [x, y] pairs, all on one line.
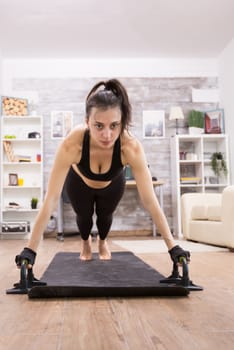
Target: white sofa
{"points": [[209, 217]]}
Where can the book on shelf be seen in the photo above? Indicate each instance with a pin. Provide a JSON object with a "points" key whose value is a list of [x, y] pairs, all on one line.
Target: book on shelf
{"points": [[23, 158], [190, 180]]}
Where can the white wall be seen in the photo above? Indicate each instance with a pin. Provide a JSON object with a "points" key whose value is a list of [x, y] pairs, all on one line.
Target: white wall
{"points": [[107, 68], [1, 77], [226, 76]]}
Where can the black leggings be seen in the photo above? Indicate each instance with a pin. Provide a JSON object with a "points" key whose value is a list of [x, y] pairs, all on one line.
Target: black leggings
{"points": [[85, 199]]}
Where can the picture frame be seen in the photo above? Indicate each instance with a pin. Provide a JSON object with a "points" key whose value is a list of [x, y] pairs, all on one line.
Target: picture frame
{"points": [[14, 106], [61, 123], [13, 179], [153, 124], [214, 121]]}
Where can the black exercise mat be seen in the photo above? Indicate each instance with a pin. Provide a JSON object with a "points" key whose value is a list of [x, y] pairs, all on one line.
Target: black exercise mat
{"points": [[124, 275]]}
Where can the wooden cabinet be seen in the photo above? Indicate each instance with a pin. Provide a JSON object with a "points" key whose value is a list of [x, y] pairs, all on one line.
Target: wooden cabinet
{"points": [[21, 173], [191, 168]]}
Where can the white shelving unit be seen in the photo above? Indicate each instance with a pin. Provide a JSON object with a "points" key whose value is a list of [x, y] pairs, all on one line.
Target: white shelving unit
{"points": [[191, 168], [21, 173]]}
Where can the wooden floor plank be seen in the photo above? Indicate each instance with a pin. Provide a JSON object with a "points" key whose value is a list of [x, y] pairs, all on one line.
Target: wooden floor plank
{"points": [[202, 321]]}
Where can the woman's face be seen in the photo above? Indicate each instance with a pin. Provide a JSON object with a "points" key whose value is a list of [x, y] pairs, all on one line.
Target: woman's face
{"points": [[104, 126]]}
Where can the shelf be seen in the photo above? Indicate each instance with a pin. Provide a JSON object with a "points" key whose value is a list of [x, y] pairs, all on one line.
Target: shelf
{"points": [[22, 210], [205, 137], [14, 233], [21, 163], [21, 117], [20, 187], [22, 140], [215, 185], [191, 185], [30, 173], [190, 160], [213, 137]]}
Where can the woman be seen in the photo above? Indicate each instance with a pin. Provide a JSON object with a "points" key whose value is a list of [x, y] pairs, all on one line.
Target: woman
{"points": [[90, 161]]}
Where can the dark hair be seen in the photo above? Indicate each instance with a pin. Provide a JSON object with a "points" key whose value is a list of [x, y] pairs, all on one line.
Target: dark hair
{"points": [[113, 95]]}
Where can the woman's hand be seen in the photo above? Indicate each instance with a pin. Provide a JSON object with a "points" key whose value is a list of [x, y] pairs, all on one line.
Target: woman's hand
{"points": [[177, 252], [27, 254]]}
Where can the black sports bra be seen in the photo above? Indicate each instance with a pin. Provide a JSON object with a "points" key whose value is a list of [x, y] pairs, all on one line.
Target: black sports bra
{"points": [[84, 165]]}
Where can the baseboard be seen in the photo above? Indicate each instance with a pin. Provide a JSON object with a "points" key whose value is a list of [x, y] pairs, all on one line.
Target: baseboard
{"points": [[115, 233], [128, 233]]}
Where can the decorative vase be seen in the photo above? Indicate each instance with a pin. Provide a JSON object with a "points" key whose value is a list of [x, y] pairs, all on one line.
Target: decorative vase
{"points": [[195, 131]]}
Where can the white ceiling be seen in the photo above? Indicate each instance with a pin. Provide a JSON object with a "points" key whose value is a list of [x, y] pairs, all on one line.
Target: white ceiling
{"points": [[113, 29]]}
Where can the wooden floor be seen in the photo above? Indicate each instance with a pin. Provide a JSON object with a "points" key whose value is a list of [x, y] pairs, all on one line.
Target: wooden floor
{"points": [[203, 320]]}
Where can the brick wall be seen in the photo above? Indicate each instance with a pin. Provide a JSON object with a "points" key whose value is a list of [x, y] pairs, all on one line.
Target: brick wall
{"points": [[145, 94]]}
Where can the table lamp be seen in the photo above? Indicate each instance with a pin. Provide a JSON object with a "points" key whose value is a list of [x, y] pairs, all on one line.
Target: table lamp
{"points": [[175, 114]]}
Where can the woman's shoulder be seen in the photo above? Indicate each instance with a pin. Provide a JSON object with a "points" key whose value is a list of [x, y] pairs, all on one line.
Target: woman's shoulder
{"points": [[130, 145], [74, 140], [78, 130], [76, 134], [128, 140]]}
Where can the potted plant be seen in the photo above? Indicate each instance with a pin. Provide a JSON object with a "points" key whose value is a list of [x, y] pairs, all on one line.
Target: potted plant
{"points": [[218, 164], [196, 122], [34, 202]]}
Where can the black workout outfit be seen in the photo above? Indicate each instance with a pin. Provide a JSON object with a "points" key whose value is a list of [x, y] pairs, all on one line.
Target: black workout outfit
{"points": [[85, 199]]}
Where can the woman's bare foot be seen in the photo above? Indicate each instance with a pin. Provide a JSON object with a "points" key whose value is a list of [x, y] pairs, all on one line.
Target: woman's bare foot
{"points": [[86, 251], [104, 252]]}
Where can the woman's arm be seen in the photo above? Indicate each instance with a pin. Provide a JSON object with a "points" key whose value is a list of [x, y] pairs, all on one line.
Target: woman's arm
{"points": [[55, 185], [54, 189], [134, 155], [67, 154]]}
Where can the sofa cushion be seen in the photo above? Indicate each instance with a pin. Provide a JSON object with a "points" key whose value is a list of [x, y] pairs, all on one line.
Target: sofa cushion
{"points": [[206, 212], [214, 213], [199, 212]]}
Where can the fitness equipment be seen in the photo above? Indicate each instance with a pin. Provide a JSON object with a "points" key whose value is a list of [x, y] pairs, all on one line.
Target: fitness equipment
{"points": [[68, 276], [125, 275], [183, 280], [27, 281]]}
